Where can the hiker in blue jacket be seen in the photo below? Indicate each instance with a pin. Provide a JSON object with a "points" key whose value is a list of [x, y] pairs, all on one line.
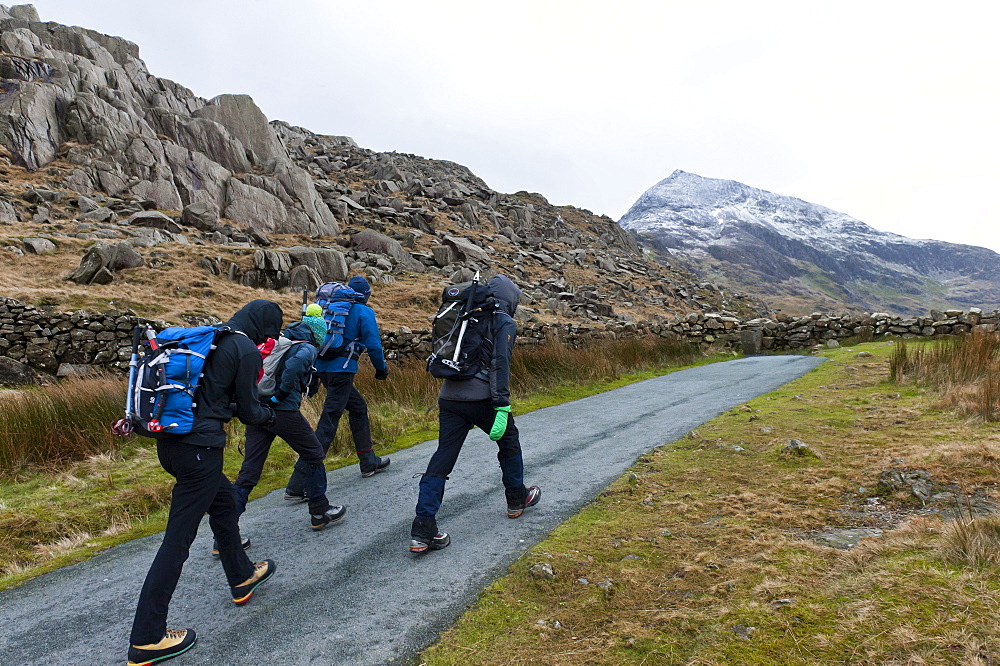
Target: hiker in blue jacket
{"points": [[337, 375], [292, 377]]}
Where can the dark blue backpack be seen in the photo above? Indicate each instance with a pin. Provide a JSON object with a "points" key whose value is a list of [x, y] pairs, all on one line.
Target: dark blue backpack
{"points": [[167, 374], [336, 299]]}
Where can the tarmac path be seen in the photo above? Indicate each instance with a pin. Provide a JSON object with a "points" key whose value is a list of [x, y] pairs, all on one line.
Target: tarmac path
{"points": [[353, 593]]}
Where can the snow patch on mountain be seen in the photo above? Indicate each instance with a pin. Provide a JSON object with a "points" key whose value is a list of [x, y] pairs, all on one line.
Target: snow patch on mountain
{"points": [[695, 211]]}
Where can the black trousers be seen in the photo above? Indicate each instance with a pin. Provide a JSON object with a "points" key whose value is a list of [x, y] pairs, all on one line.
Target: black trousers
{"points": [[201, 488], [298, 434], [341, 395], [455, 420]]}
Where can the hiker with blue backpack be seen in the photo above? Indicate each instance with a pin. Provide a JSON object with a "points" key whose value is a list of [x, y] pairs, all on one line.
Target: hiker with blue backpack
{"points": [[287, 374], [188, 384], [472, 342], [352, 331]]}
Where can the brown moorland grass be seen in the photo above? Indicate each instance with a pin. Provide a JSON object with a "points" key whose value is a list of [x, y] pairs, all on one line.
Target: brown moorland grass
{"points": [[964, 370], [701, 554], [44, 426]]}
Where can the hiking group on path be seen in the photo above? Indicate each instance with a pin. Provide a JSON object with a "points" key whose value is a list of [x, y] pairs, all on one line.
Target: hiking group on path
{"points": [[186, 384]]}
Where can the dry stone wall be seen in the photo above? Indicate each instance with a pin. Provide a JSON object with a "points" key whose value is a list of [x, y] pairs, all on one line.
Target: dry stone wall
{"points": [[64, 343]]}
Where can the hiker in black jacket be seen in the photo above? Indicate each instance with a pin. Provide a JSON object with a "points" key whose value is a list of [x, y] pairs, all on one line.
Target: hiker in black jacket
{"points": [[228, 388], [295, 370], [482, 401]]}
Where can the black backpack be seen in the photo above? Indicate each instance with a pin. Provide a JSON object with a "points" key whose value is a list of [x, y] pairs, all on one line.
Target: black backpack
{"points": [[461, 338]]}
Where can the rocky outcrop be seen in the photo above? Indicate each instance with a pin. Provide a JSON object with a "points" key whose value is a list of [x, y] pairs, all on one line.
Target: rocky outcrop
{"points": [[85, 97]]}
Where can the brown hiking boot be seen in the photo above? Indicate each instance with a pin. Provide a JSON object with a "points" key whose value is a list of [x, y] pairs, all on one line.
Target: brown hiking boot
{"points": [[261, 572], [173, 643]]}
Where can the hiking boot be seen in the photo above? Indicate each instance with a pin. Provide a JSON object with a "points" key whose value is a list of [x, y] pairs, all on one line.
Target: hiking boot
{"points": [[331, 515], [531, 499], [437, 542], [261, 572], [245, 541], [380, 465], [172, 644], [424, 536], [296, 498]]}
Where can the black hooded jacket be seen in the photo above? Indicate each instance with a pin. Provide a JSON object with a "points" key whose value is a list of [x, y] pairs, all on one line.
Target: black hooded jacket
{"points": [[229, 385]]}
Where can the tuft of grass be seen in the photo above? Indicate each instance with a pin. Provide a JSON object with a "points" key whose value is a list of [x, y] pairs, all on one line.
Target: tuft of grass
{"points": [[971, 540], [965, 370]]}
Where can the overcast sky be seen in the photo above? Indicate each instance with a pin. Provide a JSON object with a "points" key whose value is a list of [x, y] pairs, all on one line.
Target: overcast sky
{"points": [[886, 111]]}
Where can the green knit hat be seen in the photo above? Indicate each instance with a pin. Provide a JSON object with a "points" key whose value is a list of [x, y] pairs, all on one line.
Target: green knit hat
{"points": [[318, 326]]}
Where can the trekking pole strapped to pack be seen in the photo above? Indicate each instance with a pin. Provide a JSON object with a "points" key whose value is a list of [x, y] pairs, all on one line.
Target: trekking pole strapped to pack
{"points": [[465, 319], [167, 375], [124, 427]]}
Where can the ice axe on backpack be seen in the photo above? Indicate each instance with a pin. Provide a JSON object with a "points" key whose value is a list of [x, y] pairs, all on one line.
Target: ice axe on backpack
{"points": [[154, 423], [466, 311], [305, 301], [123, 427]]}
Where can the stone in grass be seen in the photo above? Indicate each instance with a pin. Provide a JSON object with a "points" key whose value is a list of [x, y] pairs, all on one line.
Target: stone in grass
{"points": [[38, 245], [743, 631], [14, 373], [799, 448], [542, 571]]}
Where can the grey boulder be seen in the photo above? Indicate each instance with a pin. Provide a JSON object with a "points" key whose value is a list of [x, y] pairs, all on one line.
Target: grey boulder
{"points": [[38, 245]]}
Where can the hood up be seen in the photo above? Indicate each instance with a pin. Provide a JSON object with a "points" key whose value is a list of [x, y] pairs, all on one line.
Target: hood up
{"points": [[259, 319], [505, 291]]}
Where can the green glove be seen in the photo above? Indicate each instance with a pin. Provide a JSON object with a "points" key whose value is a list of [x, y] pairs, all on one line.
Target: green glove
{"points": [[500, 423]]}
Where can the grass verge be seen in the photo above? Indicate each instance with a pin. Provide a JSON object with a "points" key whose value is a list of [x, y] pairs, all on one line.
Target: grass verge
{"points": [[712, 549], [67, 504]]}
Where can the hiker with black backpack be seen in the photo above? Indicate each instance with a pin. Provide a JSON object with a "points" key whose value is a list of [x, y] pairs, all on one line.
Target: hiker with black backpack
{"points": [[352, 331], [472, 340], [288, 370], [188, 421]]}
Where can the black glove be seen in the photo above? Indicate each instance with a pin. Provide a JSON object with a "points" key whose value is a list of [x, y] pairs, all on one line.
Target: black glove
{"points": [[382, 374], [270, 421], [313, 387]]}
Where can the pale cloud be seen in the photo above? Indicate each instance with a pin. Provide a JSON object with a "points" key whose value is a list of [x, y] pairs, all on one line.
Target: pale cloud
{"points": [[884, 111]]}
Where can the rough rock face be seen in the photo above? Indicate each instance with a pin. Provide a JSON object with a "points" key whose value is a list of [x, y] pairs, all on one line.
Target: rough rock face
{"points": [[131, 157], [75, 93], [780, 247]]}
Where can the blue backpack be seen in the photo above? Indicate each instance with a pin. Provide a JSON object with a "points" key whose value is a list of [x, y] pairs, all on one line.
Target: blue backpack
{"points": [[336, 299], [166, 378]]}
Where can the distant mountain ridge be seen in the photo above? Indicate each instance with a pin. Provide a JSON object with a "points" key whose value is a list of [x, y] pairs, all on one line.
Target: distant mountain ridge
{"points": [[802, 256]]}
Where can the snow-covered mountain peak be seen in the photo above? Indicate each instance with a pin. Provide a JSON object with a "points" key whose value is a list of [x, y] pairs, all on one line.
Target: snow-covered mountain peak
{"points": [[761, 237], [686, 203]]}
